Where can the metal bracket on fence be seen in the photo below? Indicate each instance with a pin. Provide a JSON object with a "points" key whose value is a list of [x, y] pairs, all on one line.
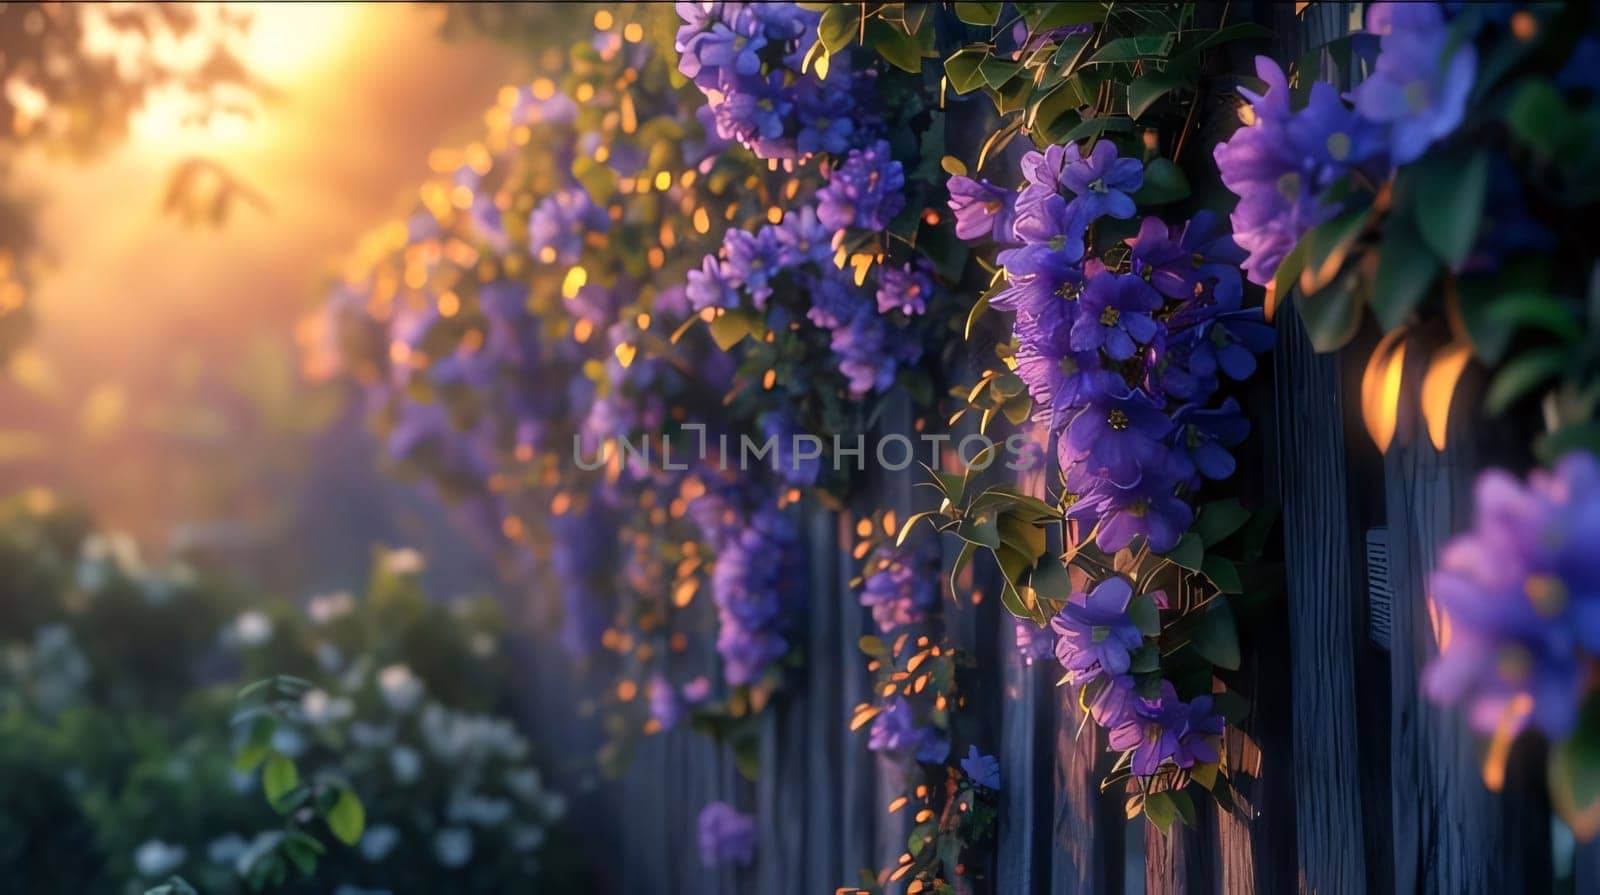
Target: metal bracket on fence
{"points": [[1380, 592]]}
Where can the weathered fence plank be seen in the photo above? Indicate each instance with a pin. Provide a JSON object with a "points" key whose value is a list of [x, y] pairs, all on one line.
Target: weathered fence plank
{"points": [[1450, 833], [1323, 610], [1087, 856]]}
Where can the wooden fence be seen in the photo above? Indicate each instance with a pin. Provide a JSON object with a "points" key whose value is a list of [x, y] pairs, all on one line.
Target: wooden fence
{"points": [[1347, 780]]}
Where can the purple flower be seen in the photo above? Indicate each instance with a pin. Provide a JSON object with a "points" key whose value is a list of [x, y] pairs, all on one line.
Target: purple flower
{"points": [[982, 210], [1094, 635], [1171, 729], [1051, 221], [1038, 275], [1282, 163], [1059, 379], [711, 286], [803, 239], [753, 570], [1117, 438], [905, 288], [752, 262], [559, 224], [1202, 436], [1151, 508], [983, 770], [1101, 181], [864, 192], [1414, 87], [1113, 315], [1034, 642], [896, 731], [664, 706], [726, 835], [1521, 591], [900, 587]]}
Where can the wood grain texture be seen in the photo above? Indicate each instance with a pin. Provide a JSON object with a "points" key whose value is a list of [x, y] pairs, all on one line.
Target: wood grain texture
{"points": [[1323, 607], [1087, 825], [1450, 835]]}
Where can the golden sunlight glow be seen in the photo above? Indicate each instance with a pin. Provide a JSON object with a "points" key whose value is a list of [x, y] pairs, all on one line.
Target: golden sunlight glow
{"points": [[285, 46]]}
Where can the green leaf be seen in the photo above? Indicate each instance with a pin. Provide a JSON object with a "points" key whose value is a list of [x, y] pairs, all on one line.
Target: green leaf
{"points": [[1056, 112], [1574, 769], [1521, 375], [983, 530], [897, 47], [1159, 808], [1449, 204], [873, 646], [1406, 269], [1539, 117], [1516, 310], [278, 777], [1144, 614], [996, 72], [1043, 17], [1189, 552], [1223, 573], [347, 818], [1331, 316], [1219, 519], [1164, 182], [1215, 637], [1143, 92], [731, 327], [1094, 127], [979, 13], [1050, 579], [840, 24], [1238, 31], [962, 69], [1129, 49]]}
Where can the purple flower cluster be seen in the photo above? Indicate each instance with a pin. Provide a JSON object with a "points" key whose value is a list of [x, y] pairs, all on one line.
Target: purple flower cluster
{"points": [[900, 587], [746, 59], [895, 731], [751, 583], [1095, 644], [1123, 363], [1283, 162], [868, 347], [864, 192], [1520, 592], [727, 836]]}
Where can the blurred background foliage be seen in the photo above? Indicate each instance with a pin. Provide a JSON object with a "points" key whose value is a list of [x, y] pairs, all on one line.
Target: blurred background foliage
{"points": [[172, 179]]}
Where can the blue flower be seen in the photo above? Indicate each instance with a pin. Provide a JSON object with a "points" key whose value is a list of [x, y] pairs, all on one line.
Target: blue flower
{"points": [[1415, 87], [752, 262], [711, 286], [726, 835], [901, 587], [983, 770], [1150, 508], [559, 224], [905, 288], [982, 210], [1114, 315], [896, 731], [1521, 592], [864, 192], [1117, 437], [1094, 635], [1102, 182]]}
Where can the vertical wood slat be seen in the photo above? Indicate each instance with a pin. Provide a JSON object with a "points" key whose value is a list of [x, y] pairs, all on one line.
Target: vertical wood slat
{"points": [[1025, 756], [1450, 835], [1087, 825], [827, 729], [1322, 602]]}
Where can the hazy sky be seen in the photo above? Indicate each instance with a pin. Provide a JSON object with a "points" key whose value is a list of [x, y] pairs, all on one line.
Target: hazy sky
{"points": [[134, 301]]}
